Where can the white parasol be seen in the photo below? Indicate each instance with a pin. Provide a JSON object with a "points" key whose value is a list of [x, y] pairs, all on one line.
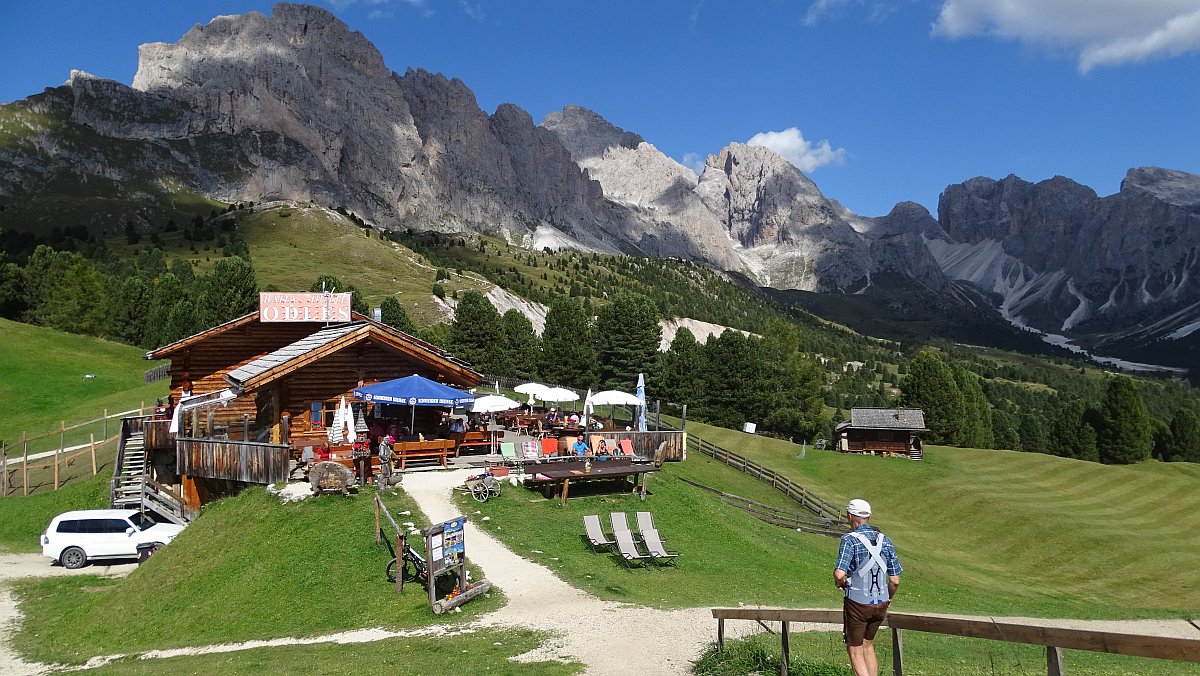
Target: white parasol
{"points": [[558, 394], [491, 404], [532, 389]]}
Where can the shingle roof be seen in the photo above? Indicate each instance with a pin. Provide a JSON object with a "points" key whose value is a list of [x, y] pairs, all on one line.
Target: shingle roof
{"points": [[289, 352], [887, 418]]}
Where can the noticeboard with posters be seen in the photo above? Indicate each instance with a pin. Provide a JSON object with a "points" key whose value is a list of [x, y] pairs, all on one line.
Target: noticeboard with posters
{"points": [[445, 545]]}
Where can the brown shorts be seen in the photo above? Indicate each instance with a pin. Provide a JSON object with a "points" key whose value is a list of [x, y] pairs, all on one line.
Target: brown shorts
{"points": [[860, 622]]}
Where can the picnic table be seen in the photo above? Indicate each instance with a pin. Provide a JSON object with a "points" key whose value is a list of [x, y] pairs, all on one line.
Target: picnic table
{"points": [[557, 476]]}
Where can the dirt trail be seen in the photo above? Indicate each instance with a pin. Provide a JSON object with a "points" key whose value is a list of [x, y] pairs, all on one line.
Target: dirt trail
{"points": [[657, 642]]}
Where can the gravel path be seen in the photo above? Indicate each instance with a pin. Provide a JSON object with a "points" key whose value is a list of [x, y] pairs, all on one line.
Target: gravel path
{"points": [[656, 641], [13, 566]]}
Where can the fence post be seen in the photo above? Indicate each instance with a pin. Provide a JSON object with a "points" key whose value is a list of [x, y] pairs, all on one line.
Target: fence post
{"points": [[401, 546], [62, 441], [4, 470], [24, 463], [377, 531], [93, 446], [897, 652], [105, 423], [683, 419], [1054, 661], [721, 635], [787, 649]]}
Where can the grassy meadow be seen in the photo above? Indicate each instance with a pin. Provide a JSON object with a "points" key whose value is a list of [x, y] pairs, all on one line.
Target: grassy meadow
{"points": [[979, 532], [42, 381]]}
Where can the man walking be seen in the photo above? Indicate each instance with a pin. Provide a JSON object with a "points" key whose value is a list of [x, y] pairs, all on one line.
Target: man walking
{"points": [[869, 572]]}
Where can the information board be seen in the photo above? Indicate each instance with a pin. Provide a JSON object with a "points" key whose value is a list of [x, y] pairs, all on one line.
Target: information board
{"points": [[445, 545]]}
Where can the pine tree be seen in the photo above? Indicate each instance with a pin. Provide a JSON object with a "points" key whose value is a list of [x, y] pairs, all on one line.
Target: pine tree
{"points": [[1124, 435], [163, 298], [475, 333], [792, 385], [127, 313], [929, 385], [1185, 437], [392, 313], [521, 344], [627, 339], [677, 375], [226, 293], [570, 356], [976, 428], [733, 378]]}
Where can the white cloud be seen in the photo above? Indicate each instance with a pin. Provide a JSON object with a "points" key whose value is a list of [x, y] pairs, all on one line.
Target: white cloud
{"points": [[802, 153], [421, 6], [820, 8], [473, 10], [694, 161], [877, 11], [1101, 32]]}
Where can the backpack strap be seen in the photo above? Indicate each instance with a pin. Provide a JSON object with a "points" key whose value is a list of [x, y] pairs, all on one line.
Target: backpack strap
{"points": [[874, 551]]}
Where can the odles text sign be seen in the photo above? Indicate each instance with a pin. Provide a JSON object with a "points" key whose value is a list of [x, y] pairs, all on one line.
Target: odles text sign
{"points": [[304, 307]]}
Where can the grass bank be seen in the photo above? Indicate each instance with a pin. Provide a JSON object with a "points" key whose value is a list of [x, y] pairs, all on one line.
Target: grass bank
{"points": [[248, 568], [822, 654], [23, 519], [479, 652]]}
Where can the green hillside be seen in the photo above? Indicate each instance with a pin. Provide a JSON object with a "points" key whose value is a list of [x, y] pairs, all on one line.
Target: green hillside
{"points": [[43, 379], [1016, 532]]}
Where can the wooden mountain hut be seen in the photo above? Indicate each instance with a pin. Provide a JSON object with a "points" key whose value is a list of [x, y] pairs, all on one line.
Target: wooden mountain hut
{"points": [[879, 431], [248, 394]]}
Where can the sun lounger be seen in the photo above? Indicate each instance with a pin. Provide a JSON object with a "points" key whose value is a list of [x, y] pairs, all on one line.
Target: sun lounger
{"points": [[625, 544], [645, 522], [549, 446], [595, 534], [656, 549], [626, 447]]}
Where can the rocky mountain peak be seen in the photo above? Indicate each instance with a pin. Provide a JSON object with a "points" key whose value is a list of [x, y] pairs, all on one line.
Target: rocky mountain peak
{"points": [[586, 134], [1169, 185]]}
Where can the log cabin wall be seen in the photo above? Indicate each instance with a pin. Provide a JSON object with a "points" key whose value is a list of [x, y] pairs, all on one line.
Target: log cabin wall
{"points": [[339, 373]]}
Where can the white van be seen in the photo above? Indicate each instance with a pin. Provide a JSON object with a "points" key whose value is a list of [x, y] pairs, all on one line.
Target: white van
{"points": [[74, 538]]}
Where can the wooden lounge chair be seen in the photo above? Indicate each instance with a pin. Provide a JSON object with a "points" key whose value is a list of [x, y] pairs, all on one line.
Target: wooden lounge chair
{"points": [[656, 549], [508, 450], [549, 446], [625, 545], [595, 534], [626, 447]]}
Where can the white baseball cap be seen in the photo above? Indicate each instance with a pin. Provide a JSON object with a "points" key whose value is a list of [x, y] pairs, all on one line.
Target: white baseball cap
{"points": [[859, 508]]}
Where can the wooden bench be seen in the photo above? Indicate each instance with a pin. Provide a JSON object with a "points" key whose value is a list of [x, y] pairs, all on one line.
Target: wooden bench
{"points": [[435, 448], [472, 440]]}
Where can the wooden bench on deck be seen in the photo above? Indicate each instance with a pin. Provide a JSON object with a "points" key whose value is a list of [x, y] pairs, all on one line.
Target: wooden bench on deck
{"points": [[472, 441], [434, 448]]}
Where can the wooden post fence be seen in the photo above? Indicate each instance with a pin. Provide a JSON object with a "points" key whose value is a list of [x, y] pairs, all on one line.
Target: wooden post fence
{"points": [[3, 466], [92, 444], [1055, 639], [24, 463]]}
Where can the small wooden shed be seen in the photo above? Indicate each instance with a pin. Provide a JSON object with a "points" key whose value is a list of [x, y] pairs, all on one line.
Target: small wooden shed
{"points": [[882, 431]]}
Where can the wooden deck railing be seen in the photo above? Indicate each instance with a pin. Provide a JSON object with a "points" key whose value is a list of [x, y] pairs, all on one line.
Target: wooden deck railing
{"points": [[245, 461], [1055, 639]]}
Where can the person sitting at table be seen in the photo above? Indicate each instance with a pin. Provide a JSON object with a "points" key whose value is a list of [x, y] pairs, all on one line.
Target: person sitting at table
{"points": [[602, 450], [574, 419], [456, 425], [552, 416], [580, 447]]}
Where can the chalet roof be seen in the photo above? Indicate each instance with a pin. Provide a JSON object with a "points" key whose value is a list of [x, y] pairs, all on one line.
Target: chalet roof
{"points": [[288, 358], [430, 350], [289, 352], [887, 419]]}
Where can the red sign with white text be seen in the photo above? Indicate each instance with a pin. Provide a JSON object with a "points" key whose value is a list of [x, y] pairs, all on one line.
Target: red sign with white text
{"points": [[303, 307]]}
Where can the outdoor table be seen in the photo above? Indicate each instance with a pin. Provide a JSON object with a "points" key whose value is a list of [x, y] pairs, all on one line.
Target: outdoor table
{"points": [[573, 471]]}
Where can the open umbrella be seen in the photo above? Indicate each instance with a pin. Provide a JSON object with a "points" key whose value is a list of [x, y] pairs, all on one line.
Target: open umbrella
{"points": [[491, 404], [532, 389], [415, 391], [558, 394], [612, 398]]}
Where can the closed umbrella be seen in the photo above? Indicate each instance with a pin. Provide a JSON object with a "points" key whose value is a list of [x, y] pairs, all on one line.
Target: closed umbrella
{"points": [[641, 394], [348, 421]]}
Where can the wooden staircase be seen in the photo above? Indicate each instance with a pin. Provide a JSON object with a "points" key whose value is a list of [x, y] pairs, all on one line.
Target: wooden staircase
{"points": [[132, 487]]}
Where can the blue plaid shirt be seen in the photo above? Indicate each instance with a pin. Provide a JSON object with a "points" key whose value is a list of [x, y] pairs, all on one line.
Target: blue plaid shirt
{"points": [[853, 553]]}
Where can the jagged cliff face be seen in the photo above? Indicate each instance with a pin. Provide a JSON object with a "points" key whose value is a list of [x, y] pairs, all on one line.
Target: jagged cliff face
{"points": [[1064, 259]]}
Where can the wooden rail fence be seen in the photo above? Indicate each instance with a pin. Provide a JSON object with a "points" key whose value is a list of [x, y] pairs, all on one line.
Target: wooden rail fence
{"points": [[55, 450], [246, 461], [775, 516], [1055, 639], [806, 498]]}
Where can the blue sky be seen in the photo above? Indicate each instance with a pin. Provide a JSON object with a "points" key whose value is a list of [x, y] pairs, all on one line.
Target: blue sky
{"points": [[877, 100]]}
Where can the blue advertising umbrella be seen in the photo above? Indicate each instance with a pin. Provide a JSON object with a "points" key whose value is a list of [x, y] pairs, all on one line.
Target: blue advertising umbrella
{"points": [[641, 394], [414, 391]]}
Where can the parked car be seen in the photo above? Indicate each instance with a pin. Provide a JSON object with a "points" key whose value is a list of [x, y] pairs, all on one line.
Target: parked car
{"points": [[75, 538]]}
